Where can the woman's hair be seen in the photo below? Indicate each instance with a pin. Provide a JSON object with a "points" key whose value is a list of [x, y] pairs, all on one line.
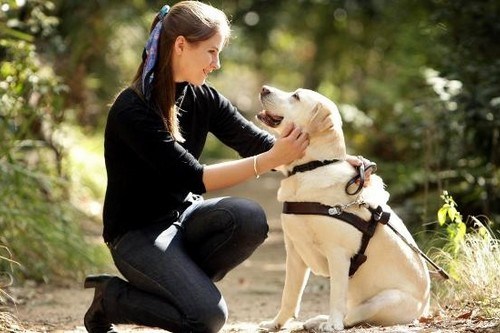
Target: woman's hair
{"points": [[196, 22]]}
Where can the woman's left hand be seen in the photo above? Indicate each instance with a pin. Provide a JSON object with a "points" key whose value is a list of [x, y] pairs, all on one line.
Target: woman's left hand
{"points": [[356, 161]]}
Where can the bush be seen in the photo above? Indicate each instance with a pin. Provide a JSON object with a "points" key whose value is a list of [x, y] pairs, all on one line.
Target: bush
{"points": [[38, 223], [472, 256]]}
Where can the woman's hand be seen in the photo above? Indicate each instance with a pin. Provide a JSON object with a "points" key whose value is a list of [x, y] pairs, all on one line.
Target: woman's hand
{"points": [[290, 146], [370, 167]]}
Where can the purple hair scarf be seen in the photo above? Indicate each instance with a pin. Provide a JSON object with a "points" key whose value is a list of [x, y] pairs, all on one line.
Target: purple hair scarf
{"points": [[151, 53]]}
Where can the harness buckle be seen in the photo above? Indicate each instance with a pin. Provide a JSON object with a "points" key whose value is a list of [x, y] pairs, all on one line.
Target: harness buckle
{"points": [[377, 213], [335, 210]]}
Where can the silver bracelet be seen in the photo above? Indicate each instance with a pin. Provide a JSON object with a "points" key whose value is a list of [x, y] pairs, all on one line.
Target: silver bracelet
{"points": [[255, 167]]}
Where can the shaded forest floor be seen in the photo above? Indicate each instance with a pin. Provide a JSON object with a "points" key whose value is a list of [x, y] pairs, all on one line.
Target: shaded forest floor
{"points": [[252, 291]]}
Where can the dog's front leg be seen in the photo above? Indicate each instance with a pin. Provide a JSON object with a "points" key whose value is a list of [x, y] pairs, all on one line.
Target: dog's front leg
{"points": [[296, 276], [338, 265]]}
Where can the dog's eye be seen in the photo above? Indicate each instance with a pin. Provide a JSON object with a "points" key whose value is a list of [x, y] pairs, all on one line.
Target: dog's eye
{"points": [[296, 96]]}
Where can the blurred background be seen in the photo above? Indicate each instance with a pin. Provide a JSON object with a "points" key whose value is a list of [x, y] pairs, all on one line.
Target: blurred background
{"points": [[417, 83]]}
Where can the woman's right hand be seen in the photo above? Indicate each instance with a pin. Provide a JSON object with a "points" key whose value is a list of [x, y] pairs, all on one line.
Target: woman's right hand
{"points": [[290, 146]]}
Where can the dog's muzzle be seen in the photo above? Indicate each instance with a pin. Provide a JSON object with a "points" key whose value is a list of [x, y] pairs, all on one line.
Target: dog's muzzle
{"points": [[269, 119]]}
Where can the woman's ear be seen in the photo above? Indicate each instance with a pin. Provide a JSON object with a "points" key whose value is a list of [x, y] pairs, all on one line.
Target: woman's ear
{"points": [[320, 120], [180, 44]]}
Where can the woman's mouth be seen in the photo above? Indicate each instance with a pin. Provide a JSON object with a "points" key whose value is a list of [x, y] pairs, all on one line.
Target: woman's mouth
{"points": [[207, 72], [271, 120]]}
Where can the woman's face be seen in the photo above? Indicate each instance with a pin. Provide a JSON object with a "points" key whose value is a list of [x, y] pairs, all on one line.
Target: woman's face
{"points": [[192, 62]]}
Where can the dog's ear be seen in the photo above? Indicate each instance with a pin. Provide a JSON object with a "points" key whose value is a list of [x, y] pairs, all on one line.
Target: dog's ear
{"points": [[320, 120]]}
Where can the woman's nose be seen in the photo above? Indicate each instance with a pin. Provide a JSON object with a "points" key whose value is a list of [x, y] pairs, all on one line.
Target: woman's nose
{"points": [[216, 63]]}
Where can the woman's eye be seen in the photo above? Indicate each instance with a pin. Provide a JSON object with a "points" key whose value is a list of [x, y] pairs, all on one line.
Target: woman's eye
{"points": [[296, 96]]}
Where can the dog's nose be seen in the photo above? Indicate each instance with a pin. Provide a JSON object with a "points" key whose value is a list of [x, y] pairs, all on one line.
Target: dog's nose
{"points": [[265, 91]]}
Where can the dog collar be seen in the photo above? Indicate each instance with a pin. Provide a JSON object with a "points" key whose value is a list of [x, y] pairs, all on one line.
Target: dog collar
{"points": [[310, 166]]}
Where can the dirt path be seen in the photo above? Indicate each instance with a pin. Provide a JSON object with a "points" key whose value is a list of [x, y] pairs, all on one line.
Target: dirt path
{"points": [[252, 291]]}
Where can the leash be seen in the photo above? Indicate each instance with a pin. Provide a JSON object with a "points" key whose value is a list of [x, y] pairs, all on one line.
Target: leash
{"points": [[415, 249]]}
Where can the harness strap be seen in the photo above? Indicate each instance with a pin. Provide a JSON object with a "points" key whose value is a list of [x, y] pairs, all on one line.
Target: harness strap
{"points": [[316, 208], [378, 216], [367, 228]]}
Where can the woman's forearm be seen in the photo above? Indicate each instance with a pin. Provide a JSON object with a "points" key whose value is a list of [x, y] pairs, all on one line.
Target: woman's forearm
{"points": [[287, 148], [226, 174]]}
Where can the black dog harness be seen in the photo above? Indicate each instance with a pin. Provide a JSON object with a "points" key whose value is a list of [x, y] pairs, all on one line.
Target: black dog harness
{"points": [[367, 228]]}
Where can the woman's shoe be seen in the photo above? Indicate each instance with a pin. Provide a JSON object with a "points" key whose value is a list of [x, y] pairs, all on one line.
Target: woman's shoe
{"points": [[95, 319]]}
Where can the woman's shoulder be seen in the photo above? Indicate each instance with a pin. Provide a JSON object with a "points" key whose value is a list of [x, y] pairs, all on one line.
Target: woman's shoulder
{"points": [[129, 107], [128, 96], [128, 101]]}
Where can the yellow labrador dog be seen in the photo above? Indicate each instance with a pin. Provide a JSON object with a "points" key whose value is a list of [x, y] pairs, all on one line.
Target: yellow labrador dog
{"points": [[392, 286]]}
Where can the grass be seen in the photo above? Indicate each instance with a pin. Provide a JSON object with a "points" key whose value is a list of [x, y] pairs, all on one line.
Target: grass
{"points": [[6, 276], [475, 282], [471, 254], [9, 323], [42, 216]]}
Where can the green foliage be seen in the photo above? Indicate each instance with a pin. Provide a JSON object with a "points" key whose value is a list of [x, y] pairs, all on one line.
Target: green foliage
{"points": [[40, 227], [455, 228], [418, 83], [31, 100], [100, 51], [472, 257], [381, 58], [39, 224], [468, 52]]}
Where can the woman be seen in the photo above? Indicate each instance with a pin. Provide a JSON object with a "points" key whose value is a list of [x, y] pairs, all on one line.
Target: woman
{"points": [[169, 243]]}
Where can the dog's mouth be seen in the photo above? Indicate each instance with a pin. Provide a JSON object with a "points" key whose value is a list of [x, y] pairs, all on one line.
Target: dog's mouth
{"points": [[270, 119]]}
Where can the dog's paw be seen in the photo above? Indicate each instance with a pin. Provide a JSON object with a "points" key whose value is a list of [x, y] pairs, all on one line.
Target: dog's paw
{"points": [[269, 326], [314, 323], [323, 323], [329, 326]]}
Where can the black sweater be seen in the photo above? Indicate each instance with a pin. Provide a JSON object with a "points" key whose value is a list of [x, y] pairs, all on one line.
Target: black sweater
{"points": [[150, 174]]}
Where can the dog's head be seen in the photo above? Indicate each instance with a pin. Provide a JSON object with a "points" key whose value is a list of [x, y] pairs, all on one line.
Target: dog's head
{"points": [[314, 113], [307, 109]]}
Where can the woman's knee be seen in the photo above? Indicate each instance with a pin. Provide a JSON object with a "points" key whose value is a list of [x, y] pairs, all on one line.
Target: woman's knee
{"points": [[209, 319], [250, 218]]}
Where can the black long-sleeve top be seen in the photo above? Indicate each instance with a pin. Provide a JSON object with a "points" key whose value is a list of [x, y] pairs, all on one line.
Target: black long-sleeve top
{"points": [[149, 173]]}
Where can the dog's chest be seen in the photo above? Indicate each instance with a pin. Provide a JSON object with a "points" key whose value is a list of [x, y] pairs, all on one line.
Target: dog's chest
{"points": [[306, 243], [316, 238], [301, 230]]}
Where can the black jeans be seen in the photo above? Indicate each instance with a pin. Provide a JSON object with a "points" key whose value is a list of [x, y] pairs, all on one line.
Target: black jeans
{"points": [[171, 272]]}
